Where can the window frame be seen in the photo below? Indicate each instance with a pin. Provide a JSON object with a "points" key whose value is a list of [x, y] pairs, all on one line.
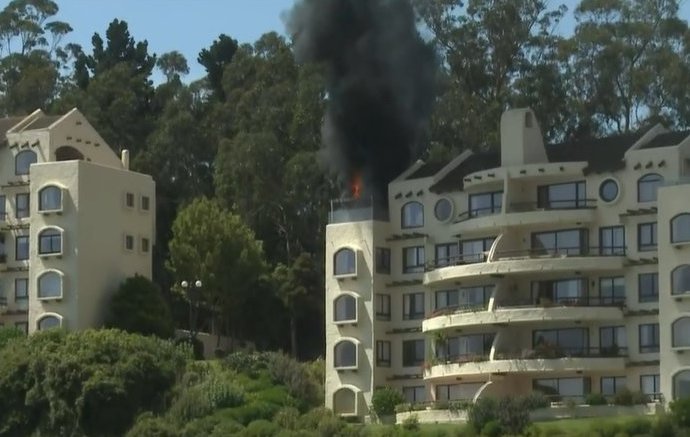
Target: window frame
{"points": [[404, 210], [495, 201], [335, 310], [347, 273], [45, 316], [647, 179], [383, 260], [415, 360], [17, 239], [580, 200], [383, 349], [653, 235], [616, 380], [414, 390], [654, 297], [673, 333], [41, 208], [22, 153], [130, 200], [612, 298], [612, 249], [415, 297], [3, 207], [17, 296], [418, 266], [145, 203], [335, 354], [672, 227], [145, 245], [24, 212], [656, 383], [650, 348], [680, 268], [385, 301], [55, 232], [61, 282], [556, 250]]}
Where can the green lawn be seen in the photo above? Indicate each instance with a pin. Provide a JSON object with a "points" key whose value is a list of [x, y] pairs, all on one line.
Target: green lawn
{"points": [[579, 425]]}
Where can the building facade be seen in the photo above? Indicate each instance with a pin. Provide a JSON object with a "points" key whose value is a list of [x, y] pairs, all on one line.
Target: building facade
{"points": [[76, 222], [563, 269]]}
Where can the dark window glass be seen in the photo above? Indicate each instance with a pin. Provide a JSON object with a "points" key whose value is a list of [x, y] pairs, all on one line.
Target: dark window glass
{"points": [[413, 306], [465, 297], [561, 342], [562, 196], [613, 340], [414, 394], [345, 308], [612, 290], [412, 353], [3, 208], [485, 203], [474, 251], [561, 291], [680, 228], [650, 384], [50, 199], [566, 242], [145, 203], [413, 259], [612, 240], [648, 287], [608, 190], [344, 262], [129, 200], [443, 210], [21, 289], [610, 385], [22, 247], [22, 205], [382, 307], [447, 254], [412, 215], [646, 236], [345, 354], [465, 347], [383, 260], [49, 241], [23, 161], [383, 353], [680, 279], [649, 338], [680, 330], [647, 187]]}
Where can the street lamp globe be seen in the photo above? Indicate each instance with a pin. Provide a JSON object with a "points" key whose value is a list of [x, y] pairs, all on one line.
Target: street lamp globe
{"points": [[184, 284], [197, 284]]}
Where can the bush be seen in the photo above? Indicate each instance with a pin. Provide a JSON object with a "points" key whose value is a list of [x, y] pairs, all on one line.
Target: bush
{"points": [[255, 410], [8, 334], [606, 428], [513, 415], [623, 397], [680, 412], [330, 426], [384, 400], [249, 363], [260, 428], [492, 428], [287, 418], [193, 403], [535, 400], [482, 412], [148, 425], [637, 426], [411, 423], [222, 393], [296, 377], [596, 399], [311, 419], [664, 426]]}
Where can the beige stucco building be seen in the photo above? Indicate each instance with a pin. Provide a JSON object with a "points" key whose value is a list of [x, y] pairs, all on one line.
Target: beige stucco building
{"points": [[76, 222], [558, 268]]}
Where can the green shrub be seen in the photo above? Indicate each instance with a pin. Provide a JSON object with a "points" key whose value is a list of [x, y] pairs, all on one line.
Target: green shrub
{"points": [[330, 426], [636, 426], [535, 400], [254, 410], [8, 334], [287, 418], [296, 377], [148, 425], [225, 428], [623, 397], [595, 399], [193, 403], [492, 428], [664, 426], [260, 428], [411, 423], [248, 363], [482, 412], [459, 405], [606, 428], [384, 400], [310, 420], [513, 415], [639, 398], [223, 393], [680, 412]]}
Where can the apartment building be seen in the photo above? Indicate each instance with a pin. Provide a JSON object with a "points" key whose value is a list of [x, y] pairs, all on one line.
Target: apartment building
{"points": [[75, 222], [560, 268]]}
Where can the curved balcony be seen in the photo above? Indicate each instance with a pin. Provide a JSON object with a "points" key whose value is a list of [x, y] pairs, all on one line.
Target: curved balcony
{"points": [[531, 361], [523, 262], [527, 311], [525, 214]]}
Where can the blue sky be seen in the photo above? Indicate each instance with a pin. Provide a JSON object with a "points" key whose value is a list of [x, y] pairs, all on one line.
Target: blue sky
{"points": [[190, 25]]}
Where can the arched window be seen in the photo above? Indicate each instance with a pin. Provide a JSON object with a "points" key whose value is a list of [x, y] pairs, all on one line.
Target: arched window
{"points": [[49, 322], [680, 279], [50, 285], [680, 228], [681, 332], [681, 384], [344, 401], [344, 262], [68, 153], [50, 241], [412, 215], [345, 353], [647, 186], [50, 198], [345, 308], [23, 161]]}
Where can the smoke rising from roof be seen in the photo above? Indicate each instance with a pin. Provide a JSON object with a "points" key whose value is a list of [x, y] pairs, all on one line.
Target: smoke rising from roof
{"points": [[380, 84]]}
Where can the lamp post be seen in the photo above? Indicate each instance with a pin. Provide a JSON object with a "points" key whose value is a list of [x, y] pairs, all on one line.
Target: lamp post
{"points": [[192, 290]]}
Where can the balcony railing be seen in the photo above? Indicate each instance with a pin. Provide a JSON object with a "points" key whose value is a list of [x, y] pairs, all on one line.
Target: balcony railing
{"points": [[478, 212], [583, 301], [457, 260], [552, 205], [457, 309], [555, 352], [557, 252], [354, 210], [477, 357]]}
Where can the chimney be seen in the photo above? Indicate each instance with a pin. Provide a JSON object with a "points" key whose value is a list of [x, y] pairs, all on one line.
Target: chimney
{"points": [[521, 138], [125, 159]]}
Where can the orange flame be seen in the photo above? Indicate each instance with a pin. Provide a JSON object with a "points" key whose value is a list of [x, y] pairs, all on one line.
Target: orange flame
{"points": [[356, 185]]}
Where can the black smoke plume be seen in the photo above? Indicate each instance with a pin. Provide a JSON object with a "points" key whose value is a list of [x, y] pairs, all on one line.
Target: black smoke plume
{"points": [[380, 84]]}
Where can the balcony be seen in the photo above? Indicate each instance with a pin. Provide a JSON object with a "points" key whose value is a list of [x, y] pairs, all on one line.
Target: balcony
{"points": [[556, 260], [538, 360], [526, 214], [356, 210], [527, 311]]}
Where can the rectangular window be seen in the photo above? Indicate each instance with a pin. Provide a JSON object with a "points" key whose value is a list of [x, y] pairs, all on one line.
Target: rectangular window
{"points": [[612, 240], [3, 208], [21, 289], [412, 353], [561, 389], [565, 242], [413, 259], [465, 347], [612, 341], [561, 342], [129, 200], [383, 260], [454, 392], [648, 287], [485, 203], [650, 384], [414, 394], [465, 297], [22, 205], [610, 385], [474, 251], [383, 353], [22, 326], [447, 254], [129, 242], [646, 236], [413, 306], [612, 290], [382, 304], [649, 338], [561, 291], [145, 203], [21, 252], [568, 195], [3, 249], [145, 245]]}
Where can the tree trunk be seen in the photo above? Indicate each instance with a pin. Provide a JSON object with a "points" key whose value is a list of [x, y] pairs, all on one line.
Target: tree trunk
{"points": [[293, 335]]}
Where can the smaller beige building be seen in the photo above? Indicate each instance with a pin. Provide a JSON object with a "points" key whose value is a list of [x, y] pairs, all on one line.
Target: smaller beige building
{"points": [[76, 222]]}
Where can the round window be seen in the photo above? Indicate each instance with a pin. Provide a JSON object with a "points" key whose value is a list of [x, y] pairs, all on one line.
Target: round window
{"points": [[608, 190], [443, 209]]}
